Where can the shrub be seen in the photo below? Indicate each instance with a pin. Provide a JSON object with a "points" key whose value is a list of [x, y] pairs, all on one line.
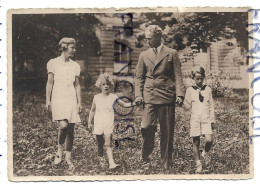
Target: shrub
{"points": [[218, 82]]}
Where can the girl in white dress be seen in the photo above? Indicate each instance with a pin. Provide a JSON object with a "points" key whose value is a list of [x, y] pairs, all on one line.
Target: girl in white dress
{"points": [[103, 113], [199, 99], [63, 96]]}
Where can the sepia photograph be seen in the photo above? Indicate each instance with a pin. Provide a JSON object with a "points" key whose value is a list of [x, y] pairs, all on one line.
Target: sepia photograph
{"points": [[126, 95]]}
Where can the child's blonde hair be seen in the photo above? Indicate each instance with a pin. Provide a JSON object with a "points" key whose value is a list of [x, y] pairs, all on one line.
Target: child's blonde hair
{"points": [[199, 70], [104, 77]]}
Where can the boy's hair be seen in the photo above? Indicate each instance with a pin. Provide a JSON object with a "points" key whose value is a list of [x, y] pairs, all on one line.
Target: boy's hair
{"points": [[199, 70], [104, 77]]}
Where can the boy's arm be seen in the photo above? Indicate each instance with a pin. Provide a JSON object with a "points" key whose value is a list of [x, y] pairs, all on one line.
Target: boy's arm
{"points": [[187, 99], [211, 108]]}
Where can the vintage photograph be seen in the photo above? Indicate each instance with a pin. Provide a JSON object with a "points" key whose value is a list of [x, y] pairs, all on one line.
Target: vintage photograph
{"points": [[125, 95]]}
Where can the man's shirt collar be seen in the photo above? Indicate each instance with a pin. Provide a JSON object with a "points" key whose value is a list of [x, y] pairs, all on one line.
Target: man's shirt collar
{"points": [[159, 48]]}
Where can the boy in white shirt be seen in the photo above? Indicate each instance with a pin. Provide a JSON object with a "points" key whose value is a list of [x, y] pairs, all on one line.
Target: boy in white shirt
{"points": [[199, 99]]}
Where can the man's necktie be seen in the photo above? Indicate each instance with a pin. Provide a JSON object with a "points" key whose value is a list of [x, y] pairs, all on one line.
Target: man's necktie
{"points": [[155, 51]]}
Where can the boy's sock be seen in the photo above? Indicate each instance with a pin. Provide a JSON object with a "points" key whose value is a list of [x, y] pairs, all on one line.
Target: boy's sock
{"points": [[198, 162], [199, 166]]}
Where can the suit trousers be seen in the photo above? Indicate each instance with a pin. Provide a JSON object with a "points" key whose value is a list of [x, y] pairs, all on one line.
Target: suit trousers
{"points": [[165, 115]]}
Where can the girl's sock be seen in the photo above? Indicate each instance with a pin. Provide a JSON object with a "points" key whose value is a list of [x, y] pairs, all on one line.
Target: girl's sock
{"points": [[58, 157], [67, 155], [68, 160], [110, 156]]}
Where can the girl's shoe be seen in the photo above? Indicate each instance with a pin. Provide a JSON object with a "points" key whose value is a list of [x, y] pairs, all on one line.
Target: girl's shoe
{"points": [[58, 158], [71, 166], [68, 160], [199, 167], [113, 166]]}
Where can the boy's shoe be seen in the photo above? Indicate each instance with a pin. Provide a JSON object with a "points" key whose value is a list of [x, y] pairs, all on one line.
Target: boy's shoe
{"points": [[113, 166], [58, 158], [206, 157], [199, 167]]}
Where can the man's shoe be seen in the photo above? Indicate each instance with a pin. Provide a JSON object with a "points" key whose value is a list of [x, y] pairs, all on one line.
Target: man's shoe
{"points": [[145, 161]]}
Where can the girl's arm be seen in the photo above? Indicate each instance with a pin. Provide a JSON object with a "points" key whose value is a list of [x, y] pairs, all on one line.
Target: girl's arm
{"points": [[187, 99], [91, 113], [126, 105], [49, 86], [211, 108], [78, 92]]}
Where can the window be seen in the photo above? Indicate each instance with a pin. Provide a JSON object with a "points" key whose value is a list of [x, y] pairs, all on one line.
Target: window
{"points": [[204, 49], [122, 57]]}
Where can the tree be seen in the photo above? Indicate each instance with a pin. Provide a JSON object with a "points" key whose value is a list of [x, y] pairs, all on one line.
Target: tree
{"points": [[36, 36], [197, 30]]}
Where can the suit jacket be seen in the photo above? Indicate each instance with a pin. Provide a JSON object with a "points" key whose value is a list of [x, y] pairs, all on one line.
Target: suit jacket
{"points": [[159, 80]]}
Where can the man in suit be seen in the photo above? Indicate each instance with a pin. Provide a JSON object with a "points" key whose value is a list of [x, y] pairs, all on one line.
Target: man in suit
{"points": [[159, 85]]}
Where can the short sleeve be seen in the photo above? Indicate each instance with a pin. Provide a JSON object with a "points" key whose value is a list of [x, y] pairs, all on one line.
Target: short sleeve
{"points": [[50, 67], [114, 97], [77, 71]]}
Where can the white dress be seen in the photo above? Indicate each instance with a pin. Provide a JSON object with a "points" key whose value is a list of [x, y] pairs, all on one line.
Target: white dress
{"points": [[64, 98], [104, 114]]}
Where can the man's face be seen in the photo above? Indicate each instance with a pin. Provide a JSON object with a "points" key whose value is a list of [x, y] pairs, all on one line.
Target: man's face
{"points": [[153, 40]]}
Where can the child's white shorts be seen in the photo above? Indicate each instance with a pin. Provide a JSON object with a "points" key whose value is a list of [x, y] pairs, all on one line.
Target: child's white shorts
{"points": [[198, 128], [103, 123]]}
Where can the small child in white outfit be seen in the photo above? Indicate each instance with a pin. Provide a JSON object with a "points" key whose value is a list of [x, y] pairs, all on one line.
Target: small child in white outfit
{"points": [[103, 113], [199, 99]]}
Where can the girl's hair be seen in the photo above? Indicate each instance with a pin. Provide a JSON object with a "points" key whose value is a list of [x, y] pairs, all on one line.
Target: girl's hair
{"points": [[106, 77], [199, 70], [64, 42]]}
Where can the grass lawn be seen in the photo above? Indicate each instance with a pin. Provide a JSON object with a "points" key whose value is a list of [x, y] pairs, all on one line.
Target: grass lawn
{"points": [[35, 139]]}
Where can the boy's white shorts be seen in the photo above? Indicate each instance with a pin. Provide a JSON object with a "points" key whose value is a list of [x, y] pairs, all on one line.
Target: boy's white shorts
{"points": [[200, 128]]}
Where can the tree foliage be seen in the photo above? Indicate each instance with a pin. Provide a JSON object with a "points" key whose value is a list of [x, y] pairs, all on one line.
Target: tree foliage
{"points": [[197, 30], [36, 36]]}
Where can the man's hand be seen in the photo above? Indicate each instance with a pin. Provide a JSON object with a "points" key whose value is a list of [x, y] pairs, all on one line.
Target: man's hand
{"points": [[139, 100], [179, 101]]}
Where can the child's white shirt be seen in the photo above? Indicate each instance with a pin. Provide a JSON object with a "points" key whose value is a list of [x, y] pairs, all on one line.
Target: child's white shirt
{"points": [[200, 110]]}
